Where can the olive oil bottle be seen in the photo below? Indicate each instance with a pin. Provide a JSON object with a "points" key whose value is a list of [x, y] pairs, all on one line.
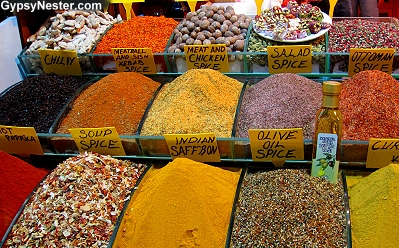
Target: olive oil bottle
{"points": [[328, 134]]}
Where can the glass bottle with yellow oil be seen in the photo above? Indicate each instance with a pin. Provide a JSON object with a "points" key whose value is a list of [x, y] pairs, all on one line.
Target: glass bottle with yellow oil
{"points": [[328, 133]]}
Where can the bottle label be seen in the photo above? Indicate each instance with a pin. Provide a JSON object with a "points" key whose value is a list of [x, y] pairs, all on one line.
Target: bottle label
{"points": [[325, 164]]}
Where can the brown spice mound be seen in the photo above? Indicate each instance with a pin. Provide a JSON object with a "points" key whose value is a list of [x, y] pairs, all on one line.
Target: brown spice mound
{"points": [[370, 106], [117, 100]]}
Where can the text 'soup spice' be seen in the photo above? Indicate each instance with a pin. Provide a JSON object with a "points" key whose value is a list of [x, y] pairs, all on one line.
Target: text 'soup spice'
{"points": [[78, 204], [183, 204], [374, 203], [36, 101], [280, 101], [118, 100], [289, 208], [18, 179], [200, 100], [369, 103]]}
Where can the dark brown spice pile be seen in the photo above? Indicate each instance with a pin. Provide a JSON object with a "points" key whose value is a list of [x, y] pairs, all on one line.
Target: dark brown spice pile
{"points": [[369, 103], [289, 208], [37, 101], [280, 101]]}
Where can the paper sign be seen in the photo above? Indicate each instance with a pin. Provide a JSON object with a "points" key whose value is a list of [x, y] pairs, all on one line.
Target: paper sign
{"points": [[382, 152], [140, 60], [276, 145], [293, 59], [19, 140], [104, 140], [61, 62], [199, 147], [207, 57], [361, 59]]}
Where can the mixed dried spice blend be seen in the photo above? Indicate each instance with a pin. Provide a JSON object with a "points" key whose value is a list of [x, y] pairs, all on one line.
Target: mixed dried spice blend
{"points": [[78, 204]]}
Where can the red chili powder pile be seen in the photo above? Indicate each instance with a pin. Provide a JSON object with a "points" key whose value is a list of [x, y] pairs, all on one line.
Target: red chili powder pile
{"points": [[369, 103], [18, 179]]}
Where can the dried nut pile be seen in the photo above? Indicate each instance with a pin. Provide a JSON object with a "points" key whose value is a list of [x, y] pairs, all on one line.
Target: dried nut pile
{"points": [[78, 204], [283, 100], [211, 25], [71, 30], [369, 102], [258, 43], [289, 208]]}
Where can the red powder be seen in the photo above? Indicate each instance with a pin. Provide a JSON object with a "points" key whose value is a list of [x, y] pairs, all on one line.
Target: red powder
{"points": [[18, 179]]}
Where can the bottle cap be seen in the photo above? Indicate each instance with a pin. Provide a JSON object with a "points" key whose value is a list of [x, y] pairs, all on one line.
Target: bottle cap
{"points": [[331, 87]]}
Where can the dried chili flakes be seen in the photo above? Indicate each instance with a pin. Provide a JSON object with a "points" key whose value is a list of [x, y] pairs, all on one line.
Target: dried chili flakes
{"points": [[370, 106]]}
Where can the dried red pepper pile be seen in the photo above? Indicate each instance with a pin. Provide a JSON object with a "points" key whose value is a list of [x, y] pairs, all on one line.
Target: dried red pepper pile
{"points": [[18, 180], [139, 32], [370, 106]]}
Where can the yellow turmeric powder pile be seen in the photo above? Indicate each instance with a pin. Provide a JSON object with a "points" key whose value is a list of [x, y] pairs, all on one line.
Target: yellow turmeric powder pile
{"points": [[374, 203], [183, 204]]}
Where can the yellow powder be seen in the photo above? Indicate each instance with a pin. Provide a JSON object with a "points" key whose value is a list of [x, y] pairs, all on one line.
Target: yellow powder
{"points": [[200, 100], [374, 203], [183, 204]]}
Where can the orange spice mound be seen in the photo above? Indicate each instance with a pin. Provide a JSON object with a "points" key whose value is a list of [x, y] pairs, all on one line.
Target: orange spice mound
{"points": [[139, 32]]}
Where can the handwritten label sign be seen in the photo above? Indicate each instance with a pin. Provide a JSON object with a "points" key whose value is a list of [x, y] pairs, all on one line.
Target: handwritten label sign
{"points": [[207, 57], [19, 140], [293, 59], [276, 145], [140, 60], [382, 152], [361, 59], [104, 140], [61, 62], [199, 147]]}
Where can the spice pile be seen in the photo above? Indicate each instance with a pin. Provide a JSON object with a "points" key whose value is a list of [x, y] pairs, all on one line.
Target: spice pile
{"points": [[289, 208], [362, 34], [282, 100], [36, 101], [183, 204], [200, 100], [78, 204], [290, 23], [18, 179], [70, 30], [374, 203], [359, 33], [139, 32], [117, 100], [369, 103]]}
